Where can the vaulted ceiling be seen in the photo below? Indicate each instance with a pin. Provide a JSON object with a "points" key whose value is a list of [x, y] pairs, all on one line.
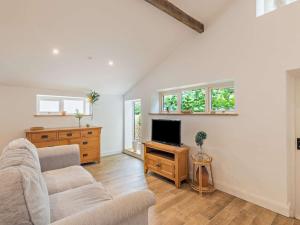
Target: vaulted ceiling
{"points": [[132, 33]]}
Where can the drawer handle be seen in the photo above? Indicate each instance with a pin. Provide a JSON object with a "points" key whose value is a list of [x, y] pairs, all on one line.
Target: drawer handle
{"points": [[85, 155], [44, 136], [69, 134], [85, 143], [90, 132], [158, 165]]}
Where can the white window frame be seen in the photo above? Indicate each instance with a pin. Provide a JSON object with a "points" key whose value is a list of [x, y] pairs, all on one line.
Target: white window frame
{"points": [[208, 98], [161, 98], [262, 6], [61, 104]]}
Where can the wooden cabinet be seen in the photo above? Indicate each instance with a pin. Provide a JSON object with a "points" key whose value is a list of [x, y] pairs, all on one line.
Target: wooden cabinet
{"points": [[166, 160], [87, 138]]}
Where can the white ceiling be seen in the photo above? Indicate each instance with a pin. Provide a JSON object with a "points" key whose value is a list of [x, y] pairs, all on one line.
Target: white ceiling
{"points": [[132, 33]]}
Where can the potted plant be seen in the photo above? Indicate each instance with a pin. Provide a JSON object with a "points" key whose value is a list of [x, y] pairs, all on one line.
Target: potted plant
{"points": [[78, 116], [199, 139], [93, 97]]}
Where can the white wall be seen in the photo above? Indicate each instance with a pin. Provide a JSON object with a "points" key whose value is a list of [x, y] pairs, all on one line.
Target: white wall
{"points": [[18, 106], [250, 151]]}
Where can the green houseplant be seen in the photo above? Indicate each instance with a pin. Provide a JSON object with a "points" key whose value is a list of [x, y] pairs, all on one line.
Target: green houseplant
{"points": [[93, 97], [199, 139]]}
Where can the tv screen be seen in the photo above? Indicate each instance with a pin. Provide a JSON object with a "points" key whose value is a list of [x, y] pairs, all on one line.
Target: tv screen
{"points": [[167, 131]]}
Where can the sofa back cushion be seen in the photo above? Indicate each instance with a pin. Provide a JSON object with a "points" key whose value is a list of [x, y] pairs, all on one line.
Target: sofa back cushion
{"points": [[20, 160]]}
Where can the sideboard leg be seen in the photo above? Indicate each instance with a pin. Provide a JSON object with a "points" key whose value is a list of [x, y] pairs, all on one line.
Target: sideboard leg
{"points": [[177, 183]]}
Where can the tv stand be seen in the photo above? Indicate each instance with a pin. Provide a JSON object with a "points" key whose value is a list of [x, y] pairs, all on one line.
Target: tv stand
{"points": [[167, 160]]}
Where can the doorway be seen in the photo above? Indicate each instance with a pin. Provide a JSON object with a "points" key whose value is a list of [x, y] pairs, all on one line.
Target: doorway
{"points": [[293, 132], [133, 128]]}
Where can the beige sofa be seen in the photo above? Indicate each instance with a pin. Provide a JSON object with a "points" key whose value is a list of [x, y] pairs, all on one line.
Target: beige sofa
{"points": [[48, 186]]}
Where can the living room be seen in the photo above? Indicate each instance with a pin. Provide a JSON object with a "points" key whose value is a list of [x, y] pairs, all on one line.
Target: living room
{"points": [[160, 69]]}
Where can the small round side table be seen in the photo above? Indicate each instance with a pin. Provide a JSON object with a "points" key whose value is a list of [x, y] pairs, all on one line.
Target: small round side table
{"points": [[199, 162]]}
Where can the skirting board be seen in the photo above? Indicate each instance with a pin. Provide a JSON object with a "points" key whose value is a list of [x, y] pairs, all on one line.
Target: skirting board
{"points": [[283, 209], [115, 152]]}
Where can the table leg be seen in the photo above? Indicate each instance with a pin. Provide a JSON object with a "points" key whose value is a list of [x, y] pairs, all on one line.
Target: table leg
{"points": [[200, 179]]}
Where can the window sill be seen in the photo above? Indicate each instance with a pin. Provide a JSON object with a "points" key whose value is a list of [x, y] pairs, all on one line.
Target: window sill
{"points": [[54, 115], [197, 114]]}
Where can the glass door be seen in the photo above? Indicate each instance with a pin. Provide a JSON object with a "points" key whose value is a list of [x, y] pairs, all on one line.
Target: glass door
{"points": [[133, 128]]}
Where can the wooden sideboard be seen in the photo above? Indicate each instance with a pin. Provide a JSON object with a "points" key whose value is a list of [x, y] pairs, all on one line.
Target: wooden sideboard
{"points": [[87, 138], [167, 160]]}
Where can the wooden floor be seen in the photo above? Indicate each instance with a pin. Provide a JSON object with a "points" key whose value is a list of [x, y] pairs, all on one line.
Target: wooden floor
{"points": [[122, 174]]}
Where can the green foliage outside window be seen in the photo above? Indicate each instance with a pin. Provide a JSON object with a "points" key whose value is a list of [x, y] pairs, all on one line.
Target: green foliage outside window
{"points": [[137, 120], [170, 103], [222, 99], [193, 101], [137, 108]]}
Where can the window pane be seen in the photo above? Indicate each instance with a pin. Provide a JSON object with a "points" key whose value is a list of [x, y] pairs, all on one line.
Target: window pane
{"points": [[193, 101], [265, 6], [49, 106], [70, 106], [137, 121], [87, 107], [222, 99], [170, 103]]}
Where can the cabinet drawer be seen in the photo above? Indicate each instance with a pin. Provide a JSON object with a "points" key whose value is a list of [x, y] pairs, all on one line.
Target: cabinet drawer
{"points": [[44, 136], [47, 144], [160, 165], [86, 143], [89, 156], [90, 133], [69, 134]]}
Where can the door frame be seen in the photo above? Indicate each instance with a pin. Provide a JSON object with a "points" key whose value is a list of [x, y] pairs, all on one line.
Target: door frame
{"points": [[126, 151], [291, 121]]}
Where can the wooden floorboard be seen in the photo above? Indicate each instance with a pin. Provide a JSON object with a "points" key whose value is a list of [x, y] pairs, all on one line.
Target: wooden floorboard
{"points": [[122, 174]]}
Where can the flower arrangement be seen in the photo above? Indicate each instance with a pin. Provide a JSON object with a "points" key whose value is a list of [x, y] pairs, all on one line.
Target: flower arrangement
{"points": [[78, 116], [93, 97]]}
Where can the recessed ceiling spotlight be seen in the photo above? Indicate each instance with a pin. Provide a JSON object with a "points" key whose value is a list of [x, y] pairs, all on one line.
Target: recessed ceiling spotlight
{"points": [[111, 63], [55, 51]]}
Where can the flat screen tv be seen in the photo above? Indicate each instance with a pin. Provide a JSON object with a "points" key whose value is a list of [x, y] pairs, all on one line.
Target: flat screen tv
{"points": [[167, 131]]}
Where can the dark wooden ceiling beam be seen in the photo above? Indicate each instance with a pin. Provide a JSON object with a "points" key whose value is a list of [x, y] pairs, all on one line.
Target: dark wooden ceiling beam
{"points": [[178, 14]]}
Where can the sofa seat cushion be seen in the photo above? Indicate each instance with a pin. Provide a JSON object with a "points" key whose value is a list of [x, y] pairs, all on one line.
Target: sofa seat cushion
{"points": [[72, 201], [67, 178]]}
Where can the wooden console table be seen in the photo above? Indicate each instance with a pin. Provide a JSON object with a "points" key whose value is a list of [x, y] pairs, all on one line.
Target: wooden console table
{"points": [[167, 160], [88, 138]]}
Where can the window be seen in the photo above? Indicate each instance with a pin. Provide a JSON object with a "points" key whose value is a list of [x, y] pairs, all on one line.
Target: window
{"points": [[193, 101], [208, 99], [59, 105], [265, 6], [222, 99], [170, 103]]}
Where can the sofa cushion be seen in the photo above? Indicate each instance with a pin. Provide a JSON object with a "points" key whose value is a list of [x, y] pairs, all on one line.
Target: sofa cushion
{"points": [[13, 210], [20, 152], [72, 201], [67, 178], [21, 156]]}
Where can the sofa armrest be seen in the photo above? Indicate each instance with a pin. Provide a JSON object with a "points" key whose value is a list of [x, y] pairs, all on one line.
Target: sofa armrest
{"points": [[130, 209], [58, 157]]}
